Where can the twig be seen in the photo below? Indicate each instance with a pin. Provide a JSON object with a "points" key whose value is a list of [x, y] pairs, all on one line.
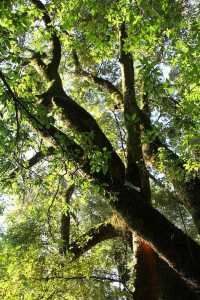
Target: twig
{"points": [[17, 122], [49, 211], [81, 277]]}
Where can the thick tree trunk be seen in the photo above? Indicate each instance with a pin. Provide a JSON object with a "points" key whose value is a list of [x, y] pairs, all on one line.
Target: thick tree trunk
{"points": [[172, 286], [189, 194], [156, 280], [146, 282], [177, 249]]}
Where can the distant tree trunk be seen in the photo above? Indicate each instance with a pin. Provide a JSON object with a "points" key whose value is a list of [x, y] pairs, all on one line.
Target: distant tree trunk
{"points": [[65, 223]]}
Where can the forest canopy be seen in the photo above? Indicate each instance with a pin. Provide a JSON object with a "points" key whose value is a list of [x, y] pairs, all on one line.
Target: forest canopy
{"points": [[99, 149]]}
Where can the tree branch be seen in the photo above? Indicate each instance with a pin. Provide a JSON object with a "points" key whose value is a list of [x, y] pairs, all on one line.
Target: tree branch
{"points": [[81, 277], [103, 84], [52, 67], [136, 172], [94, 236], [85, 124], [34, 160], [115, 175], [187, 190]]}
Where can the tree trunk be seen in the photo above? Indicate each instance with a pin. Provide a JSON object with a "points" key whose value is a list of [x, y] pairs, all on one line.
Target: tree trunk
{"points": [[146, 282]]}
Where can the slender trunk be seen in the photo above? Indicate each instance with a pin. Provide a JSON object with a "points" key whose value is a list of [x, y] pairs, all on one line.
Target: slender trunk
{"points": [[65, 223]]}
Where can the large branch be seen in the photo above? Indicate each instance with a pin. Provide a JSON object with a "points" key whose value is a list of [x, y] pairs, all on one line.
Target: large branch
{"points": [[115, 174], [79, 119], [136, 172]]}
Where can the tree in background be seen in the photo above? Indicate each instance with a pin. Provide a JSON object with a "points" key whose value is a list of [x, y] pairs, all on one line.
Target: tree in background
{"points": [[99, 140]]}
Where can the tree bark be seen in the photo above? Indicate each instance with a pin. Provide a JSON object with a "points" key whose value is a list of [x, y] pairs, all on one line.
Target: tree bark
{"points": [[146, 282], [176, 248]]}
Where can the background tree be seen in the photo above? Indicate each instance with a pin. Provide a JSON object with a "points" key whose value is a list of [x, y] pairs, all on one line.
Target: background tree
{"points": [[99, 133]]}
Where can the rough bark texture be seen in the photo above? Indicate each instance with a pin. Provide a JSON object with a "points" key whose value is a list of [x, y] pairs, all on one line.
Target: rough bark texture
{"points": [[136, 172], [172, 245], [172, 286], [156, 280], [146, 282]]}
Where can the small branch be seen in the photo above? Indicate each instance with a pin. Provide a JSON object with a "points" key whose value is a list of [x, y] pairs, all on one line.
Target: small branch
{"points": [[53, 66], [40, 155], [94, 236], [49, 211], [151, 149], [81, 277], [21, 105], [157, 181], [41, 6], [65, 222], [111, 278], [17, 122], [103, 84], [34, 160], [39, 65]]}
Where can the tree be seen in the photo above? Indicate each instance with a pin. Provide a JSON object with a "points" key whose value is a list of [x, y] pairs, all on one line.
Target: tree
{"points": [[97, 98]]}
